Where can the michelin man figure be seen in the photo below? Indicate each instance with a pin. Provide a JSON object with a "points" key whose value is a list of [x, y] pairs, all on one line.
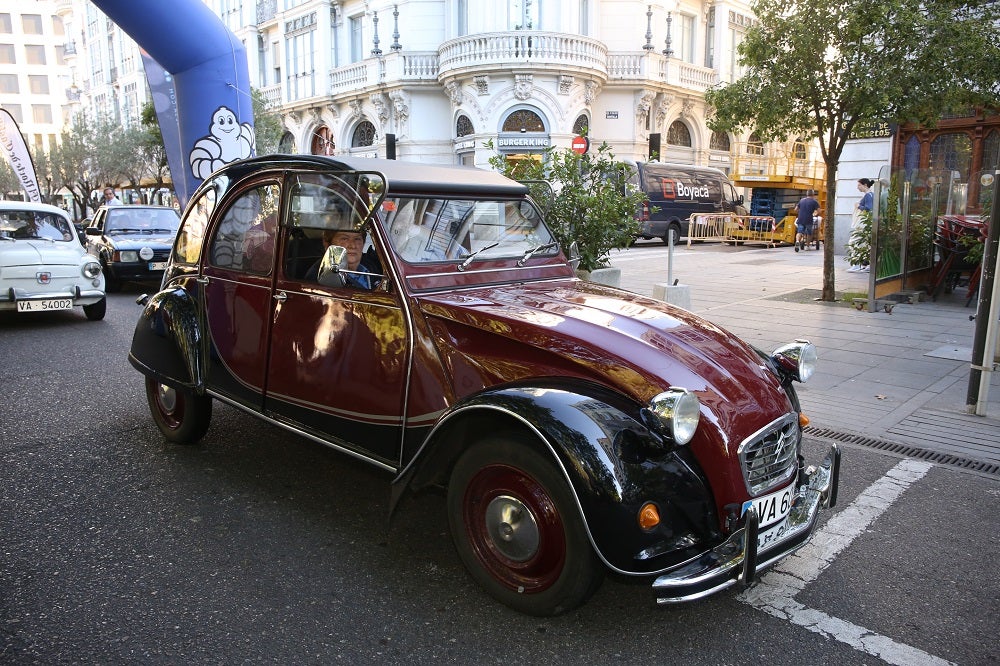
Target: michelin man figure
{"points": [[227, 141]]}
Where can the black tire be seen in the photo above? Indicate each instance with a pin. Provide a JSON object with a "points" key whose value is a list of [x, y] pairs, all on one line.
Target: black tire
{"points": [[542, 563], [676, 231], [181, 416], [96, 311], [112, 284]]}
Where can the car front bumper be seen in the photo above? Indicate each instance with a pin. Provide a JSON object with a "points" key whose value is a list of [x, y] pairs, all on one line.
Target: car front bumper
{"points": [[737, 560], [138, 272], [10, 297]]}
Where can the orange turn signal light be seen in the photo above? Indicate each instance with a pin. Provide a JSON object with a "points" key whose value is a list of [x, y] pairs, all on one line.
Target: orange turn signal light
{"points": [[803, 420], [649, 516]]}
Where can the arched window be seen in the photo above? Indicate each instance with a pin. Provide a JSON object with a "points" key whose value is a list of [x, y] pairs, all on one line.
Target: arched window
{"points": [[463, 127], [754, 145], [679, 134], [911, 155], [952, 151], [799, 148], [581, 125], [322, 141], [287, 143], [719, 141], [991, 151], [364, 135], [523, 120]]}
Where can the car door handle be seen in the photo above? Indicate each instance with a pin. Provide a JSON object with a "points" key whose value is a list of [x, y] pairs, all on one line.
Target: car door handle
{"points": [[281, 296]]}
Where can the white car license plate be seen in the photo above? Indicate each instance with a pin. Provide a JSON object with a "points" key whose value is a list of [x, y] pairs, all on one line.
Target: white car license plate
{"points": [[157, 265], [46, 305], [772, 512]]}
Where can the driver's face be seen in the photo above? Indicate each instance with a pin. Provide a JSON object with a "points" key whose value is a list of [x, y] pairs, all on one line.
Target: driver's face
{"points": [[354, 243]]}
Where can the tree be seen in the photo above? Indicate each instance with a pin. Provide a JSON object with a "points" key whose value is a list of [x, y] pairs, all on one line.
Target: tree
{"points": [[818, 68], [151, 143], [267, 124], [586, 200], [84, 160]]}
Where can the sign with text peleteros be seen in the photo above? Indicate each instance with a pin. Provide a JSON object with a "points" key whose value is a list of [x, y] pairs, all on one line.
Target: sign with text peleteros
{"points": [[874, 129], [519, 141]]}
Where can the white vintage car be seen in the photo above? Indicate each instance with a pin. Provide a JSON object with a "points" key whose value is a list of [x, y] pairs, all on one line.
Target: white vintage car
{"points": [[43, 266]]}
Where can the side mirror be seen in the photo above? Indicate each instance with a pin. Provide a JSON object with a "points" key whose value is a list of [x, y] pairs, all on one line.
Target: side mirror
{"points": [[739, 200], [334, 260], [573, 254], [93, 231]]}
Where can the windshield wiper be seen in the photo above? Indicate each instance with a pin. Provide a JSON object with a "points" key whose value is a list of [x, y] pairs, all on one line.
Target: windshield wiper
{"points": [[125, 230], [468, 260], [164, 231], [530, 252]]}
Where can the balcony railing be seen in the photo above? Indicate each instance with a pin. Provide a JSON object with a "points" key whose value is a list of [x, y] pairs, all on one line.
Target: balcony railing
{"points": [[272, 95], [392, 68], [653, 66], [521, 48], [266, 10]]}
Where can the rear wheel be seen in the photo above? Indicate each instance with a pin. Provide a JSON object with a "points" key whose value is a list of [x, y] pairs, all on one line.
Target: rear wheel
{"points": [[181, 416], [672, 230], [96, 311], [517, 529]]}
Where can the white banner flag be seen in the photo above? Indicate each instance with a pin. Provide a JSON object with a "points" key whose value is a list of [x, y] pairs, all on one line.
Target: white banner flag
{"points": [[17, 155]]}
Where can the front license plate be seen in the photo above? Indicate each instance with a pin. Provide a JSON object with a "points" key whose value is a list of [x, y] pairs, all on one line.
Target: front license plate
{"points": [[771, 508], [46, 305], [157, 265]]}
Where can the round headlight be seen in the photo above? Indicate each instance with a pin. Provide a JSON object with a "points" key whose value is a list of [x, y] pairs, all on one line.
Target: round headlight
{"points": [[680, 410], [798, 359], [129, 255], [91, 269]]}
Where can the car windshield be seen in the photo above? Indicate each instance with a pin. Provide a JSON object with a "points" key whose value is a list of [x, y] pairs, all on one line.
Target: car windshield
{"points": [[123, 220], [424, 230], [28, 224]]}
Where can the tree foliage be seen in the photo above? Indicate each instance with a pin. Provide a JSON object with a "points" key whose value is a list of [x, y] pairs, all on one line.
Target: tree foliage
{"points": [[585, 199], [817, 68], [86, 159], [267, 124]]}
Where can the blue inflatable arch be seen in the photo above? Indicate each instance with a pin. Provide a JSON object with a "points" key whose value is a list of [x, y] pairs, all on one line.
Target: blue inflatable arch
{"points": [[203, 102]]}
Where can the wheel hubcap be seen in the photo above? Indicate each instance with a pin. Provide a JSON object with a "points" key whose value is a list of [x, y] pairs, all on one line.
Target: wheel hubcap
{"points": [[167, 398], [512, 528]]}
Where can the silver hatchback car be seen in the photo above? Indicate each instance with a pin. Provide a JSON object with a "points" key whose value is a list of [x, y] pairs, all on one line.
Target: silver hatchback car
{"points": [[43, 266]]}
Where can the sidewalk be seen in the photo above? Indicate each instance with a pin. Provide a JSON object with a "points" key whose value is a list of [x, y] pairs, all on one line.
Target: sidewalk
{"points": [[895, 381]]}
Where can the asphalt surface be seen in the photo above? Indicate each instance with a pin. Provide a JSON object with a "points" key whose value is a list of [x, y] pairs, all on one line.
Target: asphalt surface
{"points": [[257, 546]]}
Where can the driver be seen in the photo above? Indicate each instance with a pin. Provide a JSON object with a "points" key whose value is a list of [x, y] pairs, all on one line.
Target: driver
{"points": [[357, 260]]}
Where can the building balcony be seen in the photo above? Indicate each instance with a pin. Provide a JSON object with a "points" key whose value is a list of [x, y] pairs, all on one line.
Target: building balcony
{"points": [[485, 52], [395, 68], [631, 67], [266, 10], [272, 95]]}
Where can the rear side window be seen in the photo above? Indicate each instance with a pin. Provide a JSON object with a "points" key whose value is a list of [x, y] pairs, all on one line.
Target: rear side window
{"points": [[247, 233], [191, 237]]}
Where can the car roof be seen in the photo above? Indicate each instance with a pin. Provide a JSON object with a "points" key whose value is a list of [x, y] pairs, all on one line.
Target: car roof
{"points": [[402, 177], [33, 206]]}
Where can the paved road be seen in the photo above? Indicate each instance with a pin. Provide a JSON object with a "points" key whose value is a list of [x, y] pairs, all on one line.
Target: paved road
{"points": [[261, 547]]}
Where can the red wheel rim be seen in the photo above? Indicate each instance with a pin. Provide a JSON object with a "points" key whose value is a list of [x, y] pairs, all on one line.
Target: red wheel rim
{"points": [[170, 405], [526, 554]]}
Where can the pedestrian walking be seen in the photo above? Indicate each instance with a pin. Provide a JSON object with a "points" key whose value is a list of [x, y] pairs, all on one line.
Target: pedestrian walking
{"points": [[860, 240]]}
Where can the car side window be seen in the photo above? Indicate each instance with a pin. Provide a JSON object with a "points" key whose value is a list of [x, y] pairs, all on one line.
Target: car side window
{"points": [[191, 236], [246, 236]]}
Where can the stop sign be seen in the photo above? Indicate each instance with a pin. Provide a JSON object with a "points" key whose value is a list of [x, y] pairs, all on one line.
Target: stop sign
{"points": [[581, 144]]}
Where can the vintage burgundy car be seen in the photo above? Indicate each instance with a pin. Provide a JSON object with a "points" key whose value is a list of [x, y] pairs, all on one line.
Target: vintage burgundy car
{"points": [[577, 428]]}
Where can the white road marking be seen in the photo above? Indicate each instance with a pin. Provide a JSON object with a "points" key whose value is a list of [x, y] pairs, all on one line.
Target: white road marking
{"points": [[775, 593]]}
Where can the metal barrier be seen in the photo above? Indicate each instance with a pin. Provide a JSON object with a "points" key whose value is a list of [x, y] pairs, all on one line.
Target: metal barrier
{"points": [[738, 228], [707, 227]]}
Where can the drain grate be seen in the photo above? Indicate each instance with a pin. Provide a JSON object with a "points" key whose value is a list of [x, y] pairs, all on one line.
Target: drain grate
{"points": [[949, 459]]}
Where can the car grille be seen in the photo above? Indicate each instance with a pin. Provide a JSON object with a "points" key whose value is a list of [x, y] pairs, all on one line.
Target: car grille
{"points": [[160, 255], [770, 456]]}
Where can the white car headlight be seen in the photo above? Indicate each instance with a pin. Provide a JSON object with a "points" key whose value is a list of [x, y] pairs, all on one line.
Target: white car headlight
{"points": [[796, 359], [679, 410], [129, 255], [91, 269]]}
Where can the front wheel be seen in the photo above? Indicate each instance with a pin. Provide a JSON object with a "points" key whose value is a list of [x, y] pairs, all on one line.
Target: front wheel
{"points": [[96, 311], [517, 529], [181, 416]]}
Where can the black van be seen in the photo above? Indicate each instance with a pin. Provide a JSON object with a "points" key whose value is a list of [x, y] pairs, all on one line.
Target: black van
{"points": [[677, 191]]}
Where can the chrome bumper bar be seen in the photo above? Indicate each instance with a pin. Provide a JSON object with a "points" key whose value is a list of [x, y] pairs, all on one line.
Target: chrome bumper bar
{"points": [[14, 295], [737, 560]]}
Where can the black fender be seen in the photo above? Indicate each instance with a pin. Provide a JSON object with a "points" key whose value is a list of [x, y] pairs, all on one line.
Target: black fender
{"points": [[613, 463], [167, 342]]}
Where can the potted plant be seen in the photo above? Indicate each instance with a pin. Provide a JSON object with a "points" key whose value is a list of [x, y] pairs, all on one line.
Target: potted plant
{"points": [[586, 199]]}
